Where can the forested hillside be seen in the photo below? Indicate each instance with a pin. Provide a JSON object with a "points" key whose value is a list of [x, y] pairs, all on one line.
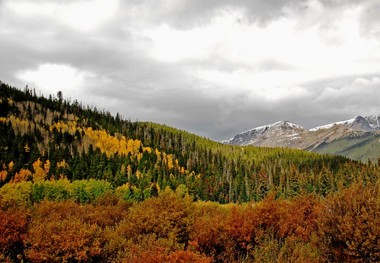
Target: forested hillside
{"points": [[140, 192], [52, 138]]}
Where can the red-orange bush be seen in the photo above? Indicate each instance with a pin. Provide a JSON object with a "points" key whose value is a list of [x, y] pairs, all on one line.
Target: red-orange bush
{"points": [[13, 228], [350, 225], [250, 225], [144, 249], [299, 217], [150, 249], [166, 216], [58, 233], [181, 256], [208, 233]]}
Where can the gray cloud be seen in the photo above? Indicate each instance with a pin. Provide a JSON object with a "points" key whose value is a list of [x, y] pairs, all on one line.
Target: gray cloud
{"points": [[271, 64], [124, 77], [370, 15], [187, 14]]}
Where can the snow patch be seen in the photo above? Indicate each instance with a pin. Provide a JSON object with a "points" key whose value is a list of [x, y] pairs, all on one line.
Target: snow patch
{"points": [[328, 126]]}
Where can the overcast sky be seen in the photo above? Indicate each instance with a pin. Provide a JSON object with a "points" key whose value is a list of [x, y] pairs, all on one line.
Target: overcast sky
{"points": [[212, 67]]}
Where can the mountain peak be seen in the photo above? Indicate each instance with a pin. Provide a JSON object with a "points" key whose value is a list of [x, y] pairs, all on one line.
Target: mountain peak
{"points": [[287, 124], [250, 137], [374, 121], [352, 137], [358, 123]]}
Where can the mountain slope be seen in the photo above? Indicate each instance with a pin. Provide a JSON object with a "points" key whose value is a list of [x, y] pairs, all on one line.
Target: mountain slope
{"points": [[358, 146], [276, 134], [374, 121], [335, 138]]}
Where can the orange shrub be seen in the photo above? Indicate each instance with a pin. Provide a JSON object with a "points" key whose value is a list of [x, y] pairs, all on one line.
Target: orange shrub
{"points": [[298, 217], [145, 249], [13, 228], [166, 216], [58, 233], [350, 225], [181, 256], [208, 233]]}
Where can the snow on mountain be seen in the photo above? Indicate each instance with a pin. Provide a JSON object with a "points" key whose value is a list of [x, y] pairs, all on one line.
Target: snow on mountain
{"points": [[373, 121], [274, 130], [357, 123], [342, 135], [328, 126]]}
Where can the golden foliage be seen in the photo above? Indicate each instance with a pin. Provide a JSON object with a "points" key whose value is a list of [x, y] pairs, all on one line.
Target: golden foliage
{"points": [[40, 169], [110, 145], [22, 175], [3, 175]]}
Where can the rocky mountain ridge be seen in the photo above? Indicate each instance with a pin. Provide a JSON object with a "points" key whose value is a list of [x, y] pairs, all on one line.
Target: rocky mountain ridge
{"points": [[357, 133], [358, 123]]}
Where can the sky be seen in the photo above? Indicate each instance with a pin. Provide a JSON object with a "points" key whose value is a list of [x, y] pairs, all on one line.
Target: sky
{"points": [[212, 67]]}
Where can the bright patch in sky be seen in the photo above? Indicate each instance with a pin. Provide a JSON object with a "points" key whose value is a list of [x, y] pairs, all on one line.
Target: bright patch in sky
{"points": [[81, 15], [52, 78], [88, 15]]}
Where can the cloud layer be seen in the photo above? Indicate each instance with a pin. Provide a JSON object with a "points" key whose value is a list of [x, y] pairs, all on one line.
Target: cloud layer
{"points": [[214, 67]]}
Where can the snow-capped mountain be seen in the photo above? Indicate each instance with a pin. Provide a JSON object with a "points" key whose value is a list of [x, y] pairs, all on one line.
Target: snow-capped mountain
{"points": [[356, 138], [373, 121], [275, 134], [357, 123]]}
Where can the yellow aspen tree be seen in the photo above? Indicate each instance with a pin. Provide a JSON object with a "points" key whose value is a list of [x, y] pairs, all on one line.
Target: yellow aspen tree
{"points": [[62, 164], [123, 146], [136, 146], [158, 155], [11, 166], [138, 174], [130, 146], [147, 149], [170, 161], [39, 173], [139, 156]]}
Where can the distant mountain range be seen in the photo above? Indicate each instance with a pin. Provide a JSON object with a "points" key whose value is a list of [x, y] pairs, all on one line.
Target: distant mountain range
{"points": [[357, 138]]}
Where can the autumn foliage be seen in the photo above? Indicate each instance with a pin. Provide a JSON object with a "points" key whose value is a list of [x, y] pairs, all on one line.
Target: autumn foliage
{"points": [[80, 185], [343, 227], [13, 231], [350, 225]]}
